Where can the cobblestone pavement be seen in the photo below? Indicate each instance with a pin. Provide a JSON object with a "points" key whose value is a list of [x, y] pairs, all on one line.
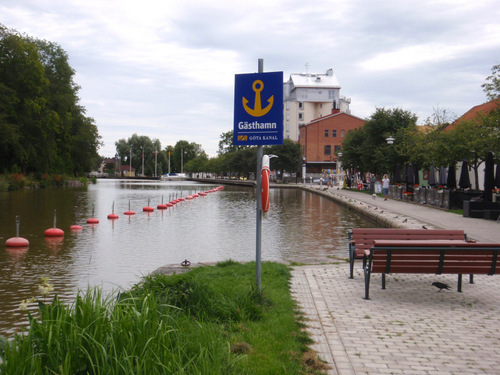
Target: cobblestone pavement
{"points": [[410, 327]]}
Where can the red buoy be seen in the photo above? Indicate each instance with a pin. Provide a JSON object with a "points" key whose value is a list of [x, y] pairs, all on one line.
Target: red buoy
{"points": [[129, 212], [54, 232], [17, 241], [162, 206], [181, 199], [93, 220], [148, 208], [112, 215], [76, 227]]}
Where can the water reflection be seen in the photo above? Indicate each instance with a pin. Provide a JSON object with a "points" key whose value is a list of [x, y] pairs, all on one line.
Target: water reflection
{"points": [[115, 253]]}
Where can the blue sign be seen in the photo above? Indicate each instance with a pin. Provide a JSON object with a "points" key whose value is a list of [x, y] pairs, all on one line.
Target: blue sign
{"points": [[258, 109]]}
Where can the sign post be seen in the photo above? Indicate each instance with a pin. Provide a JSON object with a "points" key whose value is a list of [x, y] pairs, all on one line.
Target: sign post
{"points": [[258, 120]]}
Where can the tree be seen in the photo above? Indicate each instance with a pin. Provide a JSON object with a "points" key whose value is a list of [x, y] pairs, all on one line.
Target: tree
{"points": [[183, 152], [473, 139], [492, 85], [226, 143], [42, 127], [289, 156], [366, 149], [143, 151]]}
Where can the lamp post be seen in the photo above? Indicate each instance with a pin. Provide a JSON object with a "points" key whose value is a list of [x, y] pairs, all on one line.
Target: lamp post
{"points": [[182, 160], [156, 161], [130, 170], [142, 148]]}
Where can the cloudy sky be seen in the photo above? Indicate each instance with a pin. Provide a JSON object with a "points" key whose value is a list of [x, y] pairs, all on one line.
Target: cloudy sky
{"points": [[165, 68]]}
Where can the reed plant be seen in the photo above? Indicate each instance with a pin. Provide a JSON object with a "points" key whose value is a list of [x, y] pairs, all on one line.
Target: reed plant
{"points": [[211, 320]]}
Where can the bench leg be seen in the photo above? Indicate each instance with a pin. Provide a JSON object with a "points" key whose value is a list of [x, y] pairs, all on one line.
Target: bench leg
{"points": [[383, 281], [471, 279], [351, 265], [459, 289], [367, 282]]}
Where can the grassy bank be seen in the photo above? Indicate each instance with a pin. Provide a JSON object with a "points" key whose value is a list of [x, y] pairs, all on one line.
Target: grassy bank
{"points": [[210, 320], [19, 181]]}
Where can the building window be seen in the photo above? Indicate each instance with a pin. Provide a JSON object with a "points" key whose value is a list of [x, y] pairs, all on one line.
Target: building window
{"points": [[328, 150], [301, 105], [342, 133], [301, 116], [326, 133], [337, 149], [334, 133], [287, 127]]}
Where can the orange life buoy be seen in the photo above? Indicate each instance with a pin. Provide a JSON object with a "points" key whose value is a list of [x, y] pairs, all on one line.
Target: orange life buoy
{"points": [[265, 189]]}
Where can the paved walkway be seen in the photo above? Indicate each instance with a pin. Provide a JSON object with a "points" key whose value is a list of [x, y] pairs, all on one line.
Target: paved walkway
{"points": [[410, 327]]}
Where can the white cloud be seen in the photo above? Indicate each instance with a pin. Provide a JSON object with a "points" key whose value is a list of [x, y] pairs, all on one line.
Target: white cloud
{"points": [[166, 69]]}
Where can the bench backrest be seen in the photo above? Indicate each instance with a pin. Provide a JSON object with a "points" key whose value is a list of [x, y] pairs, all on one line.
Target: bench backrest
{"points": [[473, 259], [362, 238]]}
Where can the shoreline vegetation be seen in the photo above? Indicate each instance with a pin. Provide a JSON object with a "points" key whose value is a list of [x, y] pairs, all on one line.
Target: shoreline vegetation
{"points": [[19, 181], [209, 320]]}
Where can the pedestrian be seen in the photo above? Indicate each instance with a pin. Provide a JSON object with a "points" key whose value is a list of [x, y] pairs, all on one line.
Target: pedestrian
{"points": [[385, 186]]}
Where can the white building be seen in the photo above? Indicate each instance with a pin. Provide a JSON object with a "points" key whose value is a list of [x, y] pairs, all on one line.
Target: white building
{"points": [[308, 96]]}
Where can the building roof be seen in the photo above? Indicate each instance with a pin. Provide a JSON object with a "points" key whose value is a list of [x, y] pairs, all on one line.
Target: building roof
{"points": [[327, 80], [333, 115], [475, 112]]}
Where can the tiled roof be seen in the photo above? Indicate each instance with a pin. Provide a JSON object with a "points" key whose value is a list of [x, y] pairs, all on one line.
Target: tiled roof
{"points": [[475, 112]]}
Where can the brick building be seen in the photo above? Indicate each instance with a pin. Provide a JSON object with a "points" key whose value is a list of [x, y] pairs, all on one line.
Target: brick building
{"points": [[321, 139]]}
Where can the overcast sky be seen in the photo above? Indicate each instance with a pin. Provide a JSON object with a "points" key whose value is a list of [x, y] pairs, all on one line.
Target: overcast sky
{"points": [[165, 68]]}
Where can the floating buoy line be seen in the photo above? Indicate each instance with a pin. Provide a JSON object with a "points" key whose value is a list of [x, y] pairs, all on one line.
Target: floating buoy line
{"points": [[57, 234]]}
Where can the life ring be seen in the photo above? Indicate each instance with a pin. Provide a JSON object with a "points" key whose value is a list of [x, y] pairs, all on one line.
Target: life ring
{"points": [[265, 173]]}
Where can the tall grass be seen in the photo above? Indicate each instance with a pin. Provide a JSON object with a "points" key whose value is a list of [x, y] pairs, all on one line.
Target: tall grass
{"points": [[210, 320]]}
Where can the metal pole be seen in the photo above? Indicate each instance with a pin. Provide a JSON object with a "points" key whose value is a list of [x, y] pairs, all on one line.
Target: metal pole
{"points": [[156, 161], [258, 265], [182, 160], [142, 161], [130, 170]]}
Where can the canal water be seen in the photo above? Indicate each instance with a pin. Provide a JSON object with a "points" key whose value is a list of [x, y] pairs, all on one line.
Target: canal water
{"points": [[115, 254]]}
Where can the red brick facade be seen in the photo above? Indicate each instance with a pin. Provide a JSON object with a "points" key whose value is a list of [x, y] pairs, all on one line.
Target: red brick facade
{"points": [[321, 139]]}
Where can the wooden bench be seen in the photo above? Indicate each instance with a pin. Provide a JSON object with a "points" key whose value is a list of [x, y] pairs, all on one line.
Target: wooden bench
{"points": [[361, 239], [436, 257]]}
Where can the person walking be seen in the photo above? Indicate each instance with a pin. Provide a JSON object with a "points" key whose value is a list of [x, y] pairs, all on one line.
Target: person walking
{"points": [[385, 186]]}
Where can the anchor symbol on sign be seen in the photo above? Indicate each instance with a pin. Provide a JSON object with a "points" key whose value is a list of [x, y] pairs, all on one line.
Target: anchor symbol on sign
{"points": [[258, 111]]}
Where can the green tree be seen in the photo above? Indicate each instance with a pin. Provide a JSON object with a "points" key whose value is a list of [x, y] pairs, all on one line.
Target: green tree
{"points": [[492, 85], [43, 129], [366, 149], [226, 143], [289, 156]]}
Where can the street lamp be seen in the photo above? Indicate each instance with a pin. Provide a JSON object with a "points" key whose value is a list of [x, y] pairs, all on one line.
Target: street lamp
{"points": [[130, 170], [142, 148], [390, 140]]}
